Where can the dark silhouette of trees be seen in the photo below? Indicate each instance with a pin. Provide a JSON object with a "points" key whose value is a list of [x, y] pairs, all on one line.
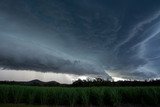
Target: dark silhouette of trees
{"points": [[87, 83], [101, 82]]}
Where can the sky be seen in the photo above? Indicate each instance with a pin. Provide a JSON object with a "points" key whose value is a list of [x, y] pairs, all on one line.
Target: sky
{"points": [[66, 39]]}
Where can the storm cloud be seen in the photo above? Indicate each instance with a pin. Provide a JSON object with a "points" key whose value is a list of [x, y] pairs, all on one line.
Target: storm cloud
{"points": [[82, 37]]}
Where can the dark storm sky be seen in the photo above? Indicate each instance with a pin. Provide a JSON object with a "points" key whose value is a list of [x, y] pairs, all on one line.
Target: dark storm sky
{"points": [[82, 37]]}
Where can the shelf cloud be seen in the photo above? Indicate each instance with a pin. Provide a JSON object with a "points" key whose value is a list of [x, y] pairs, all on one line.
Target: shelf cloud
{"points": [[82, 37]]}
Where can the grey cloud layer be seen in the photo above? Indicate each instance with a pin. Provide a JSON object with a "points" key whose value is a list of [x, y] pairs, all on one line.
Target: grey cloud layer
{"points": [[25, 55], [81, 37]]}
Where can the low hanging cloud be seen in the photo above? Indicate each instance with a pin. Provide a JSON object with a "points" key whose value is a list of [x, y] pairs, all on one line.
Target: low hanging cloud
{"points": [[23, 55], [83, 37]]}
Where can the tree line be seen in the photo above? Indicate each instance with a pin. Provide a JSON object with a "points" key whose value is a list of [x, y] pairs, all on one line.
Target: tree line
{"points": [[87, 83]]}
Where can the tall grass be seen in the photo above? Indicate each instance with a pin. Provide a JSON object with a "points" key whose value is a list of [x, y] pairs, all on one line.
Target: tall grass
{"points": [[85, 96]]}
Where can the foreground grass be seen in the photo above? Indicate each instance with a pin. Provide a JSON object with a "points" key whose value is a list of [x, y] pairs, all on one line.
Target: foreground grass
{"points": [[99, 96], [23, 105]]}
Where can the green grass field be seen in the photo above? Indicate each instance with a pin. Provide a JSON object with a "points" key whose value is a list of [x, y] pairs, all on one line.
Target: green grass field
{"points": [[24, 105], [99, 96]]}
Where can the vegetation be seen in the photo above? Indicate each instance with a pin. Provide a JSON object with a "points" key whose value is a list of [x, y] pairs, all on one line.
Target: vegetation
{"points": [[23, 105], [85, 83], [101, 82], [85, 96]]}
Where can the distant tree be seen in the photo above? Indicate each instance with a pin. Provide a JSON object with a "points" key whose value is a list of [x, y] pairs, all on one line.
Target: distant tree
{"points": [[99, 79]]}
